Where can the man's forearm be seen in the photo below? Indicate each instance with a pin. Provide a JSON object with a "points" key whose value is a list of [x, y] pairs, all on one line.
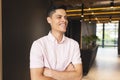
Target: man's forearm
{"points": [[66, 75], [71, 73], [36, 74], [42, 77]]}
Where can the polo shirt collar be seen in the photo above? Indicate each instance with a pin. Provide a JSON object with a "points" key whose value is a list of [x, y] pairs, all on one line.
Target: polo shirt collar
{"points": [[52, 38]]}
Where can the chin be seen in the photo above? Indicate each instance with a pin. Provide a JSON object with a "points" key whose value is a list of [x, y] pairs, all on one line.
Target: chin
{"points": [[64, 31]]}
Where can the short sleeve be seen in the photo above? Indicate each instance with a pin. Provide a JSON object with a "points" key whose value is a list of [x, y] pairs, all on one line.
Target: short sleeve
{"points": [[76, 55], [36, 57]]}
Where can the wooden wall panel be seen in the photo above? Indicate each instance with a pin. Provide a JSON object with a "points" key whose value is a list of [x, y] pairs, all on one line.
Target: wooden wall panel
{"points": [[0, 41], [23, 22]]}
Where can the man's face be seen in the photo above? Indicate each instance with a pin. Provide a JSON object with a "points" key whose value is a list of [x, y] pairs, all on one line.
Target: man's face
{"points": [[58, 21]]}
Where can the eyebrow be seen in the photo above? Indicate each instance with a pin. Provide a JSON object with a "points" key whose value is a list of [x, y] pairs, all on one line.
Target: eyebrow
{"points": [[61, 15]]}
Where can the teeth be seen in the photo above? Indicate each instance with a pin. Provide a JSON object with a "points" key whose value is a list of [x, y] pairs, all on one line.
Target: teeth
{"points": [[63, 25]]}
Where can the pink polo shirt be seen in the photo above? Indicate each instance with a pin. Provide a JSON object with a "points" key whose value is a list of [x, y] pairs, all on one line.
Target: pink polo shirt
{"points": [[46, 52]]}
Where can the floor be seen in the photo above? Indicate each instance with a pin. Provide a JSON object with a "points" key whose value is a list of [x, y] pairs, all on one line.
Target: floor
{"points": [[106, 65]]}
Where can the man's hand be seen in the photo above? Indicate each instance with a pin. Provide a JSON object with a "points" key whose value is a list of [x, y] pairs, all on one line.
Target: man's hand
{"points": [[70, 67], [47, 72]]}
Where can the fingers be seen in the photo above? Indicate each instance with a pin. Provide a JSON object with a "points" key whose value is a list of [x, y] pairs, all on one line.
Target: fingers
{"points": [[47, 72], [70, 67]]}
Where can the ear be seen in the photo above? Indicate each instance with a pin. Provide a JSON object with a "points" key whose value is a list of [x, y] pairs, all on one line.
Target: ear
{"points": [[49, 20]]}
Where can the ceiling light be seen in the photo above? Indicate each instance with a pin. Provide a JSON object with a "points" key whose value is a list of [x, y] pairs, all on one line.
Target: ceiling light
{"points": [[89, 19], [89, 8], [82, 11], [92, 13], [112, 4]]}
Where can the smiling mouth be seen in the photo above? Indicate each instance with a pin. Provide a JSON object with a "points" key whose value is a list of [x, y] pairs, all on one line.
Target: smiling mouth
{"points": [[63, 25]]}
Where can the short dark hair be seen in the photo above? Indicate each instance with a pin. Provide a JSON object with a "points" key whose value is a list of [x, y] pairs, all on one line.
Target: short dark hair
{"points": [[52, 9]]}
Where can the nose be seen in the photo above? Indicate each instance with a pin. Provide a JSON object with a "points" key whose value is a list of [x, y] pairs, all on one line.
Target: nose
{"points": [[64, 19]]}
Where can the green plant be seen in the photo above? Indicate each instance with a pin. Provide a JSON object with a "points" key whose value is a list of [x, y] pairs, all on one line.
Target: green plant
{"points": [[94, 37], [90, 40], [86, 39]]}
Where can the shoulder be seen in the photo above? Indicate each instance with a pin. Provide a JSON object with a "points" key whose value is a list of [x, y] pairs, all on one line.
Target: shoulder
{"points": [[72, 41], [40, 41]]}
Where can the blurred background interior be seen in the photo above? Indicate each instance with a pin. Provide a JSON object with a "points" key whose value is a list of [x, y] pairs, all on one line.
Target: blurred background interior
{"points": [[94, 24]]}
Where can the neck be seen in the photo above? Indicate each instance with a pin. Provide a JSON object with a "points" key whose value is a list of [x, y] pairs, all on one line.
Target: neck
{"points": [[58, 36]]}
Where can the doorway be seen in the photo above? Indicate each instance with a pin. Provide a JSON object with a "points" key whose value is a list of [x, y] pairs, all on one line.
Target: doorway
{"points": [[108, 34]]}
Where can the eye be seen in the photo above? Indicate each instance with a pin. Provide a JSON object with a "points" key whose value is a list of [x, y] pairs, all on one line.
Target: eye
{"points": [[58, 17], [66, 17]]}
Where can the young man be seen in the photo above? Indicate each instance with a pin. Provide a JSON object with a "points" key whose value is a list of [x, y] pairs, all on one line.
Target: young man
{"points": [[55, 56]]}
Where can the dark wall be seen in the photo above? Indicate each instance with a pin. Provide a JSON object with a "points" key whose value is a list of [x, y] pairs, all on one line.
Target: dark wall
{"points": [[23, 22], [74, 30]]}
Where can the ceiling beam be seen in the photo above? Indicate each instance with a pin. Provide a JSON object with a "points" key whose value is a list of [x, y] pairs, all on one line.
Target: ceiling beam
{"points": [[104, 12], [94, 9], [96, 13], [101, 19]]}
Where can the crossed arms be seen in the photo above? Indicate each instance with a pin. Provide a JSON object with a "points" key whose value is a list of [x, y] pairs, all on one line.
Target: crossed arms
{"points": [[72, 72]]}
